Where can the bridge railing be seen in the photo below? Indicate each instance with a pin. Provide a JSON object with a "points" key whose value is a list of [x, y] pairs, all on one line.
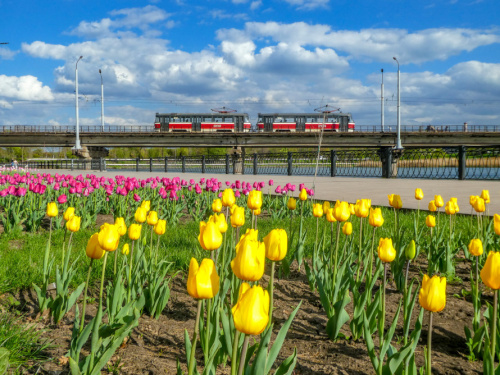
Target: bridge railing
{"points": [[479, 163]]}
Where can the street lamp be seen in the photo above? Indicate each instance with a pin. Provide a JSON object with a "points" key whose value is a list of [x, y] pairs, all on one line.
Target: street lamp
{"points": [[77, 142], [382, 100], [398, 138], [102, 103]]}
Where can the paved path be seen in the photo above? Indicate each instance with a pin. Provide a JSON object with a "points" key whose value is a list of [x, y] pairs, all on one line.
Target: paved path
{"points": [[350, 188]]}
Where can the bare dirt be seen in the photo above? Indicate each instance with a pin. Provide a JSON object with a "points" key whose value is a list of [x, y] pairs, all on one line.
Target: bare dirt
{"points": [[156, 345]]}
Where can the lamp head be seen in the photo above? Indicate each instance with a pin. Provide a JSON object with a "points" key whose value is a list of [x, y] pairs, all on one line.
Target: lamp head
{"points": [[99, 71]]}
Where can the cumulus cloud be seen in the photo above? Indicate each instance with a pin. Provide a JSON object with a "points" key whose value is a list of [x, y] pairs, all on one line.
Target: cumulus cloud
{"points": [[308, 4], [24, 88]]}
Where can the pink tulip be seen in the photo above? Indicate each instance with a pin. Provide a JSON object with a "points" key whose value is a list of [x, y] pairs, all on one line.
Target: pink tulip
{"points": [[137, 198], [62, 199]]}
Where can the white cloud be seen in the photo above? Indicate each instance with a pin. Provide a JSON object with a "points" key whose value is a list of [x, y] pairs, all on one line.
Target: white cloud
{"points": [[24, 88], [308, 4]]}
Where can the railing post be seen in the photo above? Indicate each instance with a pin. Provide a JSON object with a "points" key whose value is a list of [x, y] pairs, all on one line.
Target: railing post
{"points": [[183, 158], [72, 166], [462, 162], [101, 163], [151, 164], [290, 163], [243, 157], [333, 163], [166, 164], [104, 168], [386, 159], [137, 164], [255, 171], [202, 163], [227, 163]]}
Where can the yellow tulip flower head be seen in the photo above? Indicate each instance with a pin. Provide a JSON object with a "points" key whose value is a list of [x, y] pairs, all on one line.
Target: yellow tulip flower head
{"points": [[430, 221], [326, 206], [476, 247], [228, 198], [254, 201], [485, 194], [395, 201], [341, 211], [68, 214], [237, 216], [472, 199], [479, 205], [490, 274], [146, 205], [220, 221], [73, 224], [210, 237], [160, 227], [362, 208], [93, 250], [120, 224], [109, 238], [292, 203], [432, 206], [449, 208], [52, 209], [454, 200], [134, 231], [432, 295], [496, 224], [376, 219], [251, 312], [317, 210], [419, 194], [257, 211], [347, 228], [386, 252], [141, 215], [329, 216], [126, 249], [438, 201], [203, 281], [152, 218], [217, 205], [250, 257], [303, 194], [352, 209], [276, 243]]}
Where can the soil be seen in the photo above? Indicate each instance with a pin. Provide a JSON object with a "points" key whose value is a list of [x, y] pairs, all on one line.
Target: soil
{"points": [[156, 345]]}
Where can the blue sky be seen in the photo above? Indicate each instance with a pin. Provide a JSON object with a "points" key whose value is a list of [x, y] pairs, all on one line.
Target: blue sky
{"points": [[250, 55]]}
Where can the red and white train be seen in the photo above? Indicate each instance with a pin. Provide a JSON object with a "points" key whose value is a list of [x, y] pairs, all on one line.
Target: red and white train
{"points": [[305, 122]]}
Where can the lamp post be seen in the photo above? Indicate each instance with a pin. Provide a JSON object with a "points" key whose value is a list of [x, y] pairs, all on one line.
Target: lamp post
{"points": [[77, 142], [398, 138], [102, 103], [382, 101]]}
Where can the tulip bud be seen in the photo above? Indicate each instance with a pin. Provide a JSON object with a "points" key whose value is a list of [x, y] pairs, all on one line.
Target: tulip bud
{"points": [[419, 194], [496, 224], [362, 208], [52, 209], [276, 243], [210, 237], [237, 216], [134, 231], [490, 274], [251, 312], [376, 219], [432, 295], [292, 203], [140, 215], [438, 201], [146, 205], [152, 218], [217, 205], [347, 228], [109, 237], [68, 214], [410, 250], [317, 210], [228, 198], [203, 281], [476, 247], [430, 221], [303, 194], [326, 206], [160, 227], [485, 194], [126, 249], [73, 224], [250, 258], [432, 206], [341, 211], [93, 250], [329, 216], [449, 209], [479, 205], [386, 252], [120, 225], [254, 201]]}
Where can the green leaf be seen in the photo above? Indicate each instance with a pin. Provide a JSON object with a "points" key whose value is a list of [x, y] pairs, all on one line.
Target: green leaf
{"points": [[370, 346], [73, 366], [288, 365], [4, 360], [339, 317]]}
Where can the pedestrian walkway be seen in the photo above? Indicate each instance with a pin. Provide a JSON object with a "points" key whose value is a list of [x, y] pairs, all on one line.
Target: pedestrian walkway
{"points": [[348, 188]]}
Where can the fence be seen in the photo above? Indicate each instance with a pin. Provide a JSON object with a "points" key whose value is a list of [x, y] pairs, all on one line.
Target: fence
{"points": [[481, 163]]}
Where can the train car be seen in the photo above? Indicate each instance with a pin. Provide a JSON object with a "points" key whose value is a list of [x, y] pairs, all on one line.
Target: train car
{"points": [[219, 120], [305, 122]]}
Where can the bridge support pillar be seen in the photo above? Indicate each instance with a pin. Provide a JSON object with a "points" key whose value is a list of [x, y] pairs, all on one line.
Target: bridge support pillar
{"points": [[236, 153], [91, 152], [462, 162]]}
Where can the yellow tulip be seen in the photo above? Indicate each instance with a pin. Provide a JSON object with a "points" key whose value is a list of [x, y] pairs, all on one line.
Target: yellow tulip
{"points": [[303, 194], [454, 200], [251, 312], [341, 211], [152, 218], [490, 274], [52, 209], [479, 205], [160, 227], [362, 208], [430, 221], [203, 281], [419, 194], [347, 228], [438, 201], [254, 201], [73, 224], [109, 238], [141, 215], [93, 250], [276, 243], [228, 198], [329, 216], [237, 216], [352, 209], [432, 295], [120, 224], [395, 201], [432, 206], [217, 205], [326, 206], [386, 252], [250, 257], [134, 231], [126, 249], [68, 214], [292, 203], [496, 224], [257, 212], [485, 194], [146, 205], [317, 210], [376, 219], [476, 247], [220, 221], [472, 199], [449, 208], [210, 237]]}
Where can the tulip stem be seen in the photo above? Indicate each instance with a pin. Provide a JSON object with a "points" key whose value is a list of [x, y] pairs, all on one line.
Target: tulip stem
{"points": [[382, 318], [192, 362], [85, 295], [360, 247], [234, 356], [130, 272], [370, 269], [116, 261], [271, 291], [207, 329], [494, 326], [429, 350], [336, 257], [243, 354], [315, 250]]}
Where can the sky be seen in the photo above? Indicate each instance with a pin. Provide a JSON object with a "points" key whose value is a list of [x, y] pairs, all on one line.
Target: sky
{"points": [[254, 56]]}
